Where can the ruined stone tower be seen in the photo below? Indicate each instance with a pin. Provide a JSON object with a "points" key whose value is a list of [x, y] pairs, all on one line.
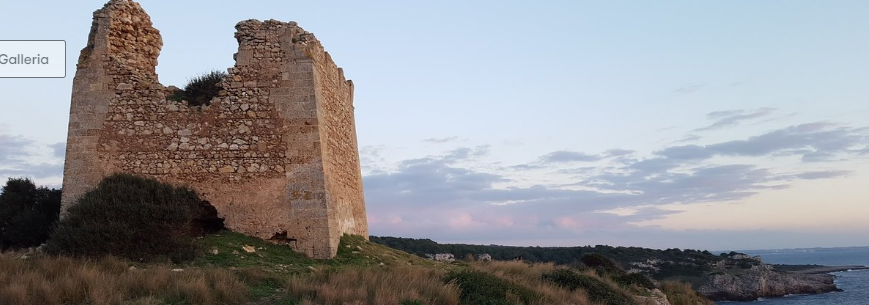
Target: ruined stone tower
{"points": [[275, 152]]}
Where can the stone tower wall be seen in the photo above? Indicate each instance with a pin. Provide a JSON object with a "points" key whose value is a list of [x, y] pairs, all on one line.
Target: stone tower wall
{"points": [[275, 153]]}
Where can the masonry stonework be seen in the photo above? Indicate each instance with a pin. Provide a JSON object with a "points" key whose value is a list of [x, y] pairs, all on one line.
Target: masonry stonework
{"points": [[275, 152]]}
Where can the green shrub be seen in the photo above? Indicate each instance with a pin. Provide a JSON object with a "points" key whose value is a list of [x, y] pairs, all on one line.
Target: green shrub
{"points": [[597, 290], [487, 289], [200, 89], [128, 216], [608, 268], [27, 213], [601, 263], [634, 279]]}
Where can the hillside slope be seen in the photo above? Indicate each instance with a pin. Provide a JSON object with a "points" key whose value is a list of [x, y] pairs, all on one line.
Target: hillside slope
{"points": [[728, 276], [235, 269]]}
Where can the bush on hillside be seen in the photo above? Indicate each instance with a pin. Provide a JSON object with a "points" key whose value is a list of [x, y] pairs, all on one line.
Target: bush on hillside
{"points": [[27, 213], [606, 267], [487, 289], [634, 279], [601, 264], [679, 293], [597, 290], [128, 216], [200, 89]]}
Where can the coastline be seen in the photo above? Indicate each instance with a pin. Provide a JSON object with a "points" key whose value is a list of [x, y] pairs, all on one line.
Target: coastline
{"points": [[851, 289], [767, 281], [830, 269]]}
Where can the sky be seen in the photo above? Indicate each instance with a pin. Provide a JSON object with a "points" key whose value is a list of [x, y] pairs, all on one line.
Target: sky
{"points": [[713, 125]]}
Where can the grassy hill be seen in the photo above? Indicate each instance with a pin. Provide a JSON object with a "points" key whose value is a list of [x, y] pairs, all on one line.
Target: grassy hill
{"points": [[231, 268]]}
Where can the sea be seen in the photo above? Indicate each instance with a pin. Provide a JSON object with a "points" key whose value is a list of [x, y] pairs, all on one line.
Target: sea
{"points": [[854, 283]]}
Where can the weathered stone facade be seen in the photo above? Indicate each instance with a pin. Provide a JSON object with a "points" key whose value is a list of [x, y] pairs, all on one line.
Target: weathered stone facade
{"points": [[275, 152]]}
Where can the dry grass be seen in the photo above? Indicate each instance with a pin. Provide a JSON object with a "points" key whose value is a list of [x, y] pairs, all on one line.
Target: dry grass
{"points": [[680, 293], [60, 280], [531, 276], [374, 285], [355, 277]]}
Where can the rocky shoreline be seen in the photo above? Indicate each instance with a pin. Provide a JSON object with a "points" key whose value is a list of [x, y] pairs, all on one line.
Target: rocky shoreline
{"points": [[763, 281], [830, 269]]}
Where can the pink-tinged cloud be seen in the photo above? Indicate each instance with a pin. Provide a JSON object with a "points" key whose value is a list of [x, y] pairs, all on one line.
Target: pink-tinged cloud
{"points": [[437, 197], [461, 221], [503, 221], [567, 223]]}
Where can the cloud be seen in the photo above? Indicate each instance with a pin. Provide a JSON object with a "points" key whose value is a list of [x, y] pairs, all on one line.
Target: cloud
{"points": [[689, 138], [59, 150], [828, 174], [435, 194], [371, 158], [435, 189], [20, 157], [577, 171], [427, 182], [525, 167], [563, 156], [442, 197], [12, 148], [686, 89], [429, 198], [686, 152], [814, 142], [708, 183], [465, 153], [618, 152], [35, 171], [734, 117], [441, 140], [653, 165]]}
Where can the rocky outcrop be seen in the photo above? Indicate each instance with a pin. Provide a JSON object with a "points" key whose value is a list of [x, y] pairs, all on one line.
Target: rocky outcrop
{"points": [[762, 281], [734, 276], [655, 296], [441, 257]]}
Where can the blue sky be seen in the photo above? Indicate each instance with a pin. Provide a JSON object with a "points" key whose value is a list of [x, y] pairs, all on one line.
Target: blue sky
{"points": [[691, 124]]}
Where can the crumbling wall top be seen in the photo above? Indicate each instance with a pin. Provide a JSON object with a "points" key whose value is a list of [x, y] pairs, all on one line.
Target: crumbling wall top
{"points": [[253, 31], [132, 44]]}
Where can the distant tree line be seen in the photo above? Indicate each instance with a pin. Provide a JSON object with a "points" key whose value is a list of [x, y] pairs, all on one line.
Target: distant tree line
{"points": [[678, 262]]}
